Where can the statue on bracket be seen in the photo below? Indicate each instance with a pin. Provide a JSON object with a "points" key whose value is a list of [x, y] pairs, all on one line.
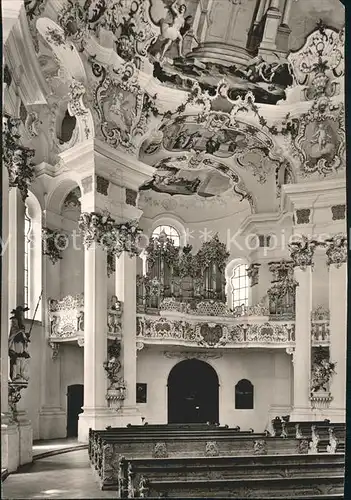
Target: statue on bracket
{"points": [[18, 344]]}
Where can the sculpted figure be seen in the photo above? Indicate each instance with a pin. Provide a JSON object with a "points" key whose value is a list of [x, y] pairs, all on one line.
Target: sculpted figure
{"points": [[18, 344], [173, 32]]}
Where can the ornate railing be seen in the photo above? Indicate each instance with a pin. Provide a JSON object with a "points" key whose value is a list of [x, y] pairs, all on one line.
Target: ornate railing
{"points": [[66, 317], [224, 332], [202, 307]]}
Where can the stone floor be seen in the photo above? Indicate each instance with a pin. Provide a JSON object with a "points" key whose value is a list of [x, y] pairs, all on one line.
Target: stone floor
{"points": [[53, 445], [60, 476]]}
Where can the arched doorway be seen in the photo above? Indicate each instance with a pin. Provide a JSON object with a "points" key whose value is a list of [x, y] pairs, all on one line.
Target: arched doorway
{"points": [[74, 408], [192, 393]]}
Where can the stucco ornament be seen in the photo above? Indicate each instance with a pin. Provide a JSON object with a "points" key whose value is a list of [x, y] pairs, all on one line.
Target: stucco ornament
{"points": [[322, 370], [54, 242], [123, 108], [127, 23], [336, 250], [77, 108], [16, 158], [117, 389], [319, 65], [319, 144], [302, 252]]}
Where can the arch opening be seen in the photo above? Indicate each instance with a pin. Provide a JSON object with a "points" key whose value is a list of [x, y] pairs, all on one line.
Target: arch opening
{"points": [[193, 393]]}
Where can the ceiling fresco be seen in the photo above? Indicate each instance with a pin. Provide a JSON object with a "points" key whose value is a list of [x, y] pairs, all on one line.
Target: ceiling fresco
{"points": [[201, 176], [163, 79], [187, 134]]}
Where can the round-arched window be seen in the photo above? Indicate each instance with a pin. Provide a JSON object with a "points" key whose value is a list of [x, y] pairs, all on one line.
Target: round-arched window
{"points": [[169, 231], [244, 395], [240, 286]]}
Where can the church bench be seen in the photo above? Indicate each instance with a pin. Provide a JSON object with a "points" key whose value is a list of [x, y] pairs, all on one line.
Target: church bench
{"points": [[110, 450], [265, 474], [287, 488], [159, 434]]}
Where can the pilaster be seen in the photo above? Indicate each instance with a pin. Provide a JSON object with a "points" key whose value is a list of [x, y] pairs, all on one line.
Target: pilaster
{"points": [[126, 293], [337, 263], [52, 418], [302, 252]]}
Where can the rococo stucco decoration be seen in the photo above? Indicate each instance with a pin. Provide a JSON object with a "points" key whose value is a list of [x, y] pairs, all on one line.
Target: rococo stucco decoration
{"points": [[124, 109], [322, 370], [54, 243], [302, 252], [205, 334], [114, 238], [16, 158], [319, 65], [320, 141], [117, 388], [336, 250]]}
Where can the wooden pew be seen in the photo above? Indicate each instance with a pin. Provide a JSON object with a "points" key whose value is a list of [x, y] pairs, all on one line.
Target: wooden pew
{"points": [[112, 448], [289, 475]]}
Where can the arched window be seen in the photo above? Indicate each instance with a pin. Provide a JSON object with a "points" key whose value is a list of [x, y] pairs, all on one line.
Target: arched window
{"points": [[27, 264], [169, 231], [244, 395], [33, 258], [240, 286]]}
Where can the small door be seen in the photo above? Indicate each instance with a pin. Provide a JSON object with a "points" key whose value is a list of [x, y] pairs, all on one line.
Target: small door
{"points": [[74, 408]]}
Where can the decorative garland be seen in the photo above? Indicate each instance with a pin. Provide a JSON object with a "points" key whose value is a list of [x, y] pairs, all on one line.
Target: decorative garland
{"points": [[54, 242], [114, 238], [16, 157], [322, 370]]}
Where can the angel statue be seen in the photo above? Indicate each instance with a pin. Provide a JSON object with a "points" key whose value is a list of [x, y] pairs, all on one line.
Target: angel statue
{"points": [[173, 32], [18, 343]]}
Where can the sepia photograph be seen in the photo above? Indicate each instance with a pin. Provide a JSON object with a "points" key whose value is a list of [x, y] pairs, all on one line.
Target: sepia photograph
{"points": [[174, 249]]}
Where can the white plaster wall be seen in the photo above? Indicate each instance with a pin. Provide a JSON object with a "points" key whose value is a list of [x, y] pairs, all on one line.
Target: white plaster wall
{"points": [[199, 232], [72, 369], [31, 397], [320, 282], [72, 269], [270, 373]]}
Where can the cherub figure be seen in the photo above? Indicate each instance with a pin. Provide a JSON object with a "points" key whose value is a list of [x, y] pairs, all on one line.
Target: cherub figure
{"points": [[173, 32], [321, 136]]}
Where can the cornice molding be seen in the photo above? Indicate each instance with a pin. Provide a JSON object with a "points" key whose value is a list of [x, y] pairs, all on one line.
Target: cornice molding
{"points": [[94, 156], [317, 194]]}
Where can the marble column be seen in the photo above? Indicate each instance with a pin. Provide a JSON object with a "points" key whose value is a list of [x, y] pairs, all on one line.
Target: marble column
{"points": [[126, 293], [336, 260], [95, 340], [302, 256]]}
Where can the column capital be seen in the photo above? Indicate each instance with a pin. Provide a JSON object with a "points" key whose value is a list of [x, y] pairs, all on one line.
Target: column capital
{"points": [[115, 238], [336, 250], [17, 158], [302, 252]]}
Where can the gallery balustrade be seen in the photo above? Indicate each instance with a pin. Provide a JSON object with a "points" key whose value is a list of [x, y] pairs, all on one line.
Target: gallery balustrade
{"points": [[66, 317]]}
